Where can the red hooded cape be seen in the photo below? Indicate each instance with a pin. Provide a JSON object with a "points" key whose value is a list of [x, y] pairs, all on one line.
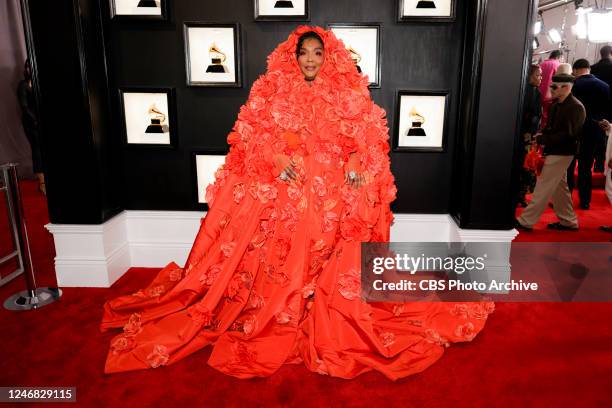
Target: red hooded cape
{"points": [[273, 276], [282, 112]]}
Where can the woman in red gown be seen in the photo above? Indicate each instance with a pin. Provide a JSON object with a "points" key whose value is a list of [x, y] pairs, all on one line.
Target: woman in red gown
{"points": [[273, 276]]}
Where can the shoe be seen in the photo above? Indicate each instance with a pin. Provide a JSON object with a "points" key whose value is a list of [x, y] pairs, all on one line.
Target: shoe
{"points": [[585, 206], [521, 227], [606, 228], [561, 227]]}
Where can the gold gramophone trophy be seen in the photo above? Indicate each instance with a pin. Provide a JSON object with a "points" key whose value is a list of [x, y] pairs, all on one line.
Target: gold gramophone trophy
{"points": [[356, 57], [157, 120], [417, 121], [147, 3], [217, 58], [427, 4], [283, 4]]}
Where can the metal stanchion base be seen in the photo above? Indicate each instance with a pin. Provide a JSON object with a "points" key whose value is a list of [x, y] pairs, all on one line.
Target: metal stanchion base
{"points": [[25, 301]]}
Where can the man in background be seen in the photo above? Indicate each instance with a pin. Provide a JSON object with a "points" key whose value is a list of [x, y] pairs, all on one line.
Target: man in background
{"points": [[560, 140], [595, 96], [603, 69]]}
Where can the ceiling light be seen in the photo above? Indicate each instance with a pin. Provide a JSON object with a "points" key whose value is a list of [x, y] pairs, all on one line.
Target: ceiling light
{"points": [[598, 26], [555, 36], [537, 28]]}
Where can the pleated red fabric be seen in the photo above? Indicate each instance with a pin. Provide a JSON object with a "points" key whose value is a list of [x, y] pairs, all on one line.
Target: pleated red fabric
{"points": [[273, 276]]}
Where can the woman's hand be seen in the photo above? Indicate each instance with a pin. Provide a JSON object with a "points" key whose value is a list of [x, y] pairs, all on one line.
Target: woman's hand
{"points": [[352, 174], [605, 125], [286, 166], [354, 179]]}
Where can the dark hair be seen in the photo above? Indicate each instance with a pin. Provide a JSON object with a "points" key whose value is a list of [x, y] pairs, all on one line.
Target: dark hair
{"points": [[555, 54], [605, 51], [533, 68], [304, 37], [581, 64]]}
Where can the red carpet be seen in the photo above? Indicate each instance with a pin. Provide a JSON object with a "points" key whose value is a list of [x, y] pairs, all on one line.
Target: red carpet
{"points": [[554, 354]]}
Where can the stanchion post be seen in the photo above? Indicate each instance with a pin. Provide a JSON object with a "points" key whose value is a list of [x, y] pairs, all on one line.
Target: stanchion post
{"points": [[32, 297]]}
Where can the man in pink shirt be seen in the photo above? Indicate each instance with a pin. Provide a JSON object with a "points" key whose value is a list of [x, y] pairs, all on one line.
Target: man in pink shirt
{"points": [[549, 67]]}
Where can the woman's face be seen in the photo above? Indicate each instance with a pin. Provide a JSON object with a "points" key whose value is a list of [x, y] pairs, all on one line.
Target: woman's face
{"points": [[310, 58], [536, 78]]}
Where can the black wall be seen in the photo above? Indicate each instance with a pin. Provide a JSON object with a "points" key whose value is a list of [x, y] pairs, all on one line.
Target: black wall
{"points": [[485, 180], [65, 44], [414, 56], [480, 58]]}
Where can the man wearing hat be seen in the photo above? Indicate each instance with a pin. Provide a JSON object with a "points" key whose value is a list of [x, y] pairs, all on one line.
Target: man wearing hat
{"points": [[560, 140]]}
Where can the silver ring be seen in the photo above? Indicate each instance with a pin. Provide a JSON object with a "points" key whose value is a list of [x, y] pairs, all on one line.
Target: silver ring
{"points": [[283, 175], [352, 175]]}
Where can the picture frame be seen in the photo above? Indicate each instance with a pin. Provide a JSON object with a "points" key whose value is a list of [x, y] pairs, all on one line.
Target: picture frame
{"points": [[421, 120], [281, 10], [128, 10], [364, 41], [148, 117], [205, 162], [433, 11], [213, 54]]}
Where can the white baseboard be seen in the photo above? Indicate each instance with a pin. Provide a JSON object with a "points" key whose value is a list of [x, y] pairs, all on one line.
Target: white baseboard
{"points": [[159, 237], [98, 255], [421, 228], [91, 255]]}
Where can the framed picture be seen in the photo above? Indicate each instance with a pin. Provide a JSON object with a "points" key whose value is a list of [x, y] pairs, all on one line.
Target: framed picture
{"points": [[426, 10], [282, 10], [212, 54], [421, 121], [363, 41], [149, 117], [139, 9], [205, 164]]}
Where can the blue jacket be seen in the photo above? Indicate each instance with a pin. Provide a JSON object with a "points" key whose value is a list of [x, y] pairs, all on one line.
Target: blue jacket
{"points": [[594, 95]]}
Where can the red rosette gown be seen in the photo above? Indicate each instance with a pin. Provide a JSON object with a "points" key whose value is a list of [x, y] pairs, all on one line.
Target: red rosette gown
{"points": [[273, 276]]}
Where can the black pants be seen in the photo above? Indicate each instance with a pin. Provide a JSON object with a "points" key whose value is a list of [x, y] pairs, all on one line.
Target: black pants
{"points": [[586, 157], [31, 132]]}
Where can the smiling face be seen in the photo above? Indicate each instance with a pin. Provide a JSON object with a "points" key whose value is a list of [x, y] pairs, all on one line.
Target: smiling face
{"points": [[310, 58]]}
